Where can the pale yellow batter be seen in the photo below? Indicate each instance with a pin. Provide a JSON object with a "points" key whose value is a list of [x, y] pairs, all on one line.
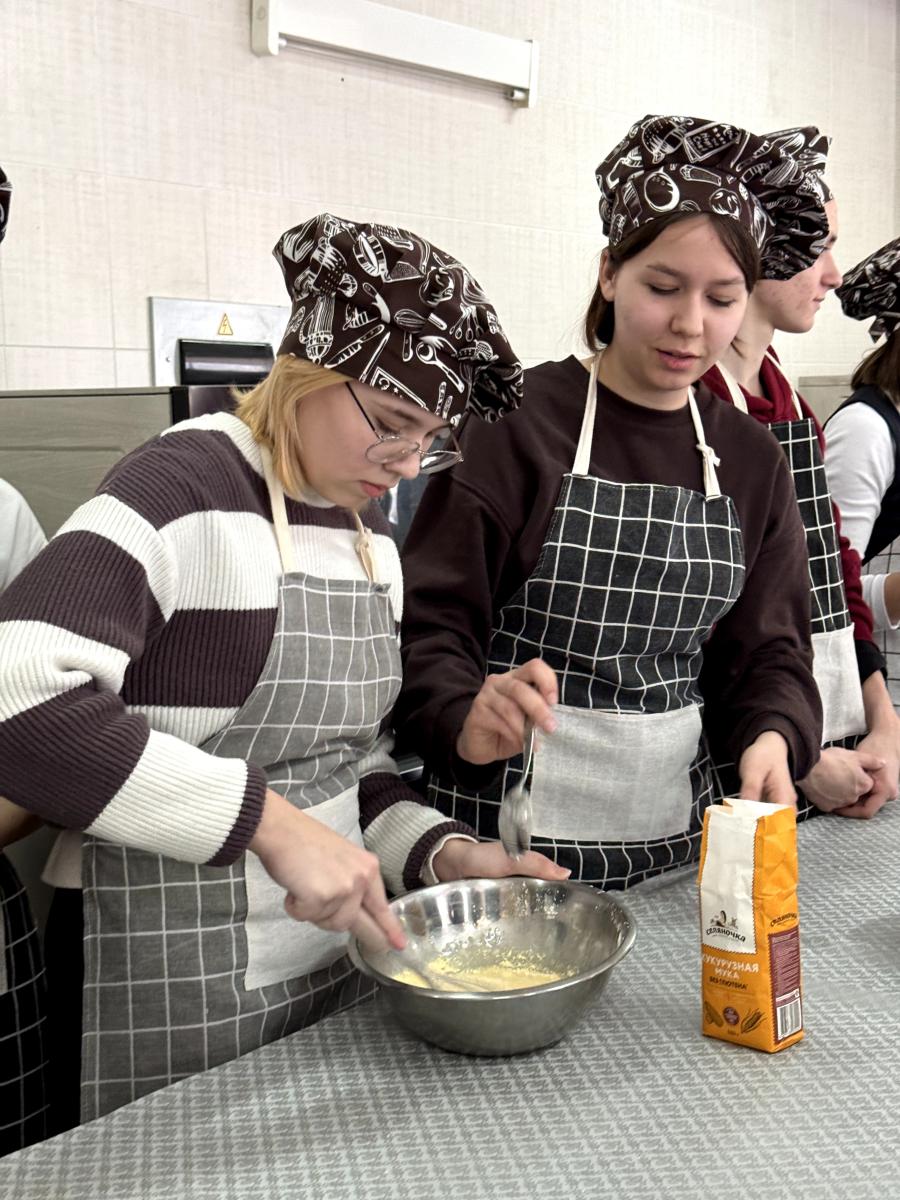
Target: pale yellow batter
{"points": [[501, 976]]}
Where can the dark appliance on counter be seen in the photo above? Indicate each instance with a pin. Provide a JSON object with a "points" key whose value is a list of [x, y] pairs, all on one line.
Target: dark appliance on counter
{"points": [[208, 371]]}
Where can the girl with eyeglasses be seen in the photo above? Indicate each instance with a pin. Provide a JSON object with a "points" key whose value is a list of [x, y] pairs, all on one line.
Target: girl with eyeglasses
{"points": [[202, 663]]}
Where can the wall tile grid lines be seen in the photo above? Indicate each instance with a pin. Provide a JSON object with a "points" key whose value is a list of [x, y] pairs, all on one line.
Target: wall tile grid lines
{"points": [[538, 174], [207, 149], [240, 230], [518, 269], [133, 368], [157, 237], [167, 91], [424, 145], [32, 368]]}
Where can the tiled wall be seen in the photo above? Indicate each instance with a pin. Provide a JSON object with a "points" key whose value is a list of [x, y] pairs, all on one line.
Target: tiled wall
{"points": [[153, 154]]}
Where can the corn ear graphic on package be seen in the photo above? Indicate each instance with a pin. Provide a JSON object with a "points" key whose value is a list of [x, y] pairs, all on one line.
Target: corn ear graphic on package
{"points": [[749, 925]]}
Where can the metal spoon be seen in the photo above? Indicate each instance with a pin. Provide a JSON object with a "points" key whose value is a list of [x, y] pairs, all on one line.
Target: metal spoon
{"points": [[514, 821]]}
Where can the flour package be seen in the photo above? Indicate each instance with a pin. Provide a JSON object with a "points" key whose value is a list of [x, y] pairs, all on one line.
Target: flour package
{"points": [[749, 927]]}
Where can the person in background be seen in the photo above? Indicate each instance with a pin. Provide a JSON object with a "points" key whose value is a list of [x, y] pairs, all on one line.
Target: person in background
{"points": [[22, 533], [859, 767], [400, 506], [209, 647], [619, 529], [864, 447], [23, 1048]]}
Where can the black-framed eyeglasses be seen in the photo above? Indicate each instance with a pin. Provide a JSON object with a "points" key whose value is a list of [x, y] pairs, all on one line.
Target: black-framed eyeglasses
{"points": [[443, 452]]}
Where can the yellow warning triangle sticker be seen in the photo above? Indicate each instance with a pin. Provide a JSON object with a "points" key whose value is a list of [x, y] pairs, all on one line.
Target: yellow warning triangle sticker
{"points": [[225, 329]]}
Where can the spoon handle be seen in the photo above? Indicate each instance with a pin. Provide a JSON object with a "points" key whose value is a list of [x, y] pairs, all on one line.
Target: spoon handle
{"points": [[529, 750]]}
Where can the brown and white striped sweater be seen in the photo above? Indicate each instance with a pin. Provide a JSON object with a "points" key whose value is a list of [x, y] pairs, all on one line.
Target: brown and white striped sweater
{"points": [[140, 631]]}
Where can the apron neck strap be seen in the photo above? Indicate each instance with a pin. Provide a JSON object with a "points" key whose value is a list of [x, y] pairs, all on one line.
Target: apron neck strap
{"points": [[711, 460], [794, 397], [279, 514], [289, 565], [581, 465], [365, 551], [738, 399]]}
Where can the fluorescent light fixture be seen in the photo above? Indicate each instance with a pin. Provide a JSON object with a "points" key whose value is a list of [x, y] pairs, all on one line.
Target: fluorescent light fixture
{"points": [[378, 31]]}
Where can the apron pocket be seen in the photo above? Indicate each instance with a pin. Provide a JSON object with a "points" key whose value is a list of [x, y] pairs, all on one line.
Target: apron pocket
{"points": [[615, 777], [837, 678], [278, 947]]}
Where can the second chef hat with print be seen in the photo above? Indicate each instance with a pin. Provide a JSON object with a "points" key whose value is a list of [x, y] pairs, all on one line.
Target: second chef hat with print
{"points": [[872, 289], [387, 307], [771, 184]]}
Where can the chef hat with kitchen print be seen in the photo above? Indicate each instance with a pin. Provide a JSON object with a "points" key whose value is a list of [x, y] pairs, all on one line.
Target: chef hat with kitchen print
{"points": [[772, 185], [388, 308], [5, 194], [872, 289]]}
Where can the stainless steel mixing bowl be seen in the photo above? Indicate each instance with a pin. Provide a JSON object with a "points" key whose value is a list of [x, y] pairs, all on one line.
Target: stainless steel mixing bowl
{"points": [[568, 928]]}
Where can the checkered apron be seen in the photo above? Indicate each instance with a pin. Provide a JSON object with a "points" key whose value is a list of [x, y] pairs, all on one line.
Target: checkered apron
{"points": [[629, 583], [187, 967], [23, 1056], [834, 655], [834, 662]]}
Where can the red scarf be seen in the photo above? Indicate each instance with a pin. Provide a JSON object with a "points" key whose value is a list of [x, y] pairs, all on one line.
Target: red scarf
{"points": [[776, 403]]}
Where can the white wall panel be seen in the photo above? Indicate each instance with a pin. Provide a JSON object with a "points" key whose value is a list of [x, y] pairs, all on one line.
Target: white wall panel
{"points": [[133, 368], [154, 154], [157, 245], [241, 227], [50, 113], [32, 368], [54, 271]]}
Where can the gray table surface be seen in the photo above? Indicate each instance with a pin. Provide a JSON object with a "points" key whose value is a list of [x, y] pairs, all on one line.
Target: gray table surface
{"points": [[634, 1103]]}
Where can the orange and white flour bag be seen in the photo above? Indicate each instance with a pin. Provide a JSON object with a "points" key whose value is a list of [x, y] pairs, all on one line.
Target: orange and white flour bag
{"points": [[749, 927]]}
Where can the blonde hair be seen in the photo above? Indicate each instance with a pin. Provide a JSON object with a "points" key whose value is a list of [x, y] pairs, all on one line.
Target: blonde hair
{"points": [[270, 412]]}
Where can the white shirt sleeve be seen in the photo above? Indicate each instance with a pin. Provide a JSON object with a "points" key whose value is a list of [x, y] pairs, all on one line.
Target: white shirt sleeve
{"points": [[21, 537], [859, 466]]}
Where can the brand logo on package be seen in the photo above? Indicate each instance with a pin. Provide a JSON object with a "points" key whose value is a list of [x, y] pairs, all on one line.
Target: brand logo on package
{"points": [[722, 923], [728, 928]]}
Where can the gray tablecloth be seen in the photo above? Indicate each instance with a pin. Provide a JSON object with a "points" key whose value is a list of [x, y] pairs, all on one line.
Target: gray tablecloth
{"points": [[635, 1103]]}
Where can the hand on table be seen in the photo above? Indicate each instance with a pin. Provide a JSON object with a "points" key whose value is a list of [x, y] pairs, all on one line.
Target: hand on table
{"points": [[843, 779], [494, 728], [459, 858], [764, 770], [329, 881], [883, 743]]}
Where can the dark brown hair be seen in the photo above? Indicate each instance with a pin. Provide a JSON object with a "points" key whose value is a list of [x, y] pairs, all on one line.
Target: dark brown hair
{"points": [[881, 368], [599, 322]]}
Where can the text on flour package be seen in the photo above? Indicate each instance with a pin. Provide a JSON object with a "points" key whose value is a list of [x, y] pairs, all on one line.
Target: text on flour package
{"points": [[749, 925]]}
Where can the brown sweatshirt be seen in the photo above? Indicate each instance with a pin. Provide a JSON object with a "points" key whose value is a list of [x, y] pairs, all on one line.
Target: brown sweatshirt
{"points": [[479, 530]]}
